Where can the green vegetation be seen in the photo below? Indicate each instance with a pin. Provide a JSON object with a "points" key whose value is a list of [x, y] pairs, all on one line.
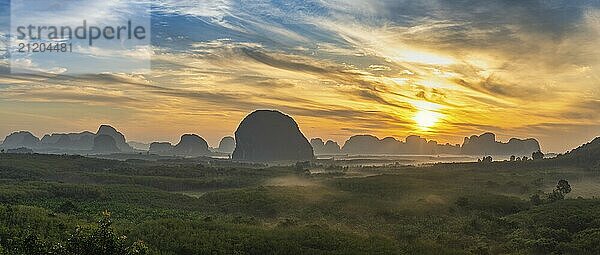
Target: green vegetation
{"points": [[61, 204], [587, 155]]}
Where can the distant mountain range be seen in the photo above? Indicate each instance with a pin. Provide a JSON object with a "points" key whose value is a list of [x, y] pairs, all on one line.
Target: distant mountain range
{"points": [[102, 141], [267, 135], [484, 144]]}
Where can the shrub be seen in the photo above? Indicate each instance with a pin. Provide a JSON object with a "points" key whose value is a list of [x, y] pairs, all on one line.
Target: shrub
{"points": [[102, 240]]}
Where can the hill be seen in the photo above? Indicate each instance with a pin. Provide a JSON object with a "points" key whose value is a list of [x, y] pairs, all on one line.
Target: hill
{"points": [[587, 155], [267, 135]]}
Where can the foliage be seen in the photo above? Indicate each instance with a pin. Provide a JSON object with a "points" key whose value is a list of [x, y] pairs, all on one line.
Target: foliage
{"points": [[562, 188], [49, 205], [102, 240], [587, 155], [83, 240], [486, 159], [538, 155]]}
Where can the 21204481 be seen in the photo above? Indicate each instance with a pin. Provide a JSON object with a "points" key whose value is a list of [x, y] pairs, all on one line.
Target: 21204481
{"points": [[44, 47]]}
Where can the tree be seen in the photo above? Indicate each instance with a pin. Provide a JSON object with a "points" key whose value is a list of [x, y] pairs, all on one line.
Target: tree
{"points": [[487, 159], [103, 240], [538, 155], [555, 196], [512, 158], [535, 199], [562, 188]]}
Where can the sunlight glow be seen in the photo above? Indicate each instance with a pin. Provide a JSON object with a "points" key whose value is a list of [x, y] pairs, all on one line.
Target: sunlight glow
{"points": [[426, 119], [416, 56], [400, 81]]}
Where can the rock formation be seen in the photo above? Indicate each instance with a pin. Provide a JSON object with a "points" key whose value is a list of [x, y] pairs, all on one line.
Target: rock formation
{"points": [[318, 145], [105, 144], [332, 147], [161, 148], [71, 141], [68, 143], [363, 144], [486, 144], [227, 145], [368, 144], [118, 137], [266, 135], [325, 148], [22, 139], [192, 146]]}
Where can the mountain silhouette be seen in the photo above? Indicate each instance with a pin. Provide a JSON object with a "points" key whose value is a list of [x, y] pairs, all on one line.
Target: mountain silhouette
{"points": [[161, 148], [227, 145], [105, 144], [325, 148], [67, 143], [486, 144], [364, 144], [21, 139], [270, 136], [267, 135], [117, 136], [369, 144], [70, 141], [191, 145]]}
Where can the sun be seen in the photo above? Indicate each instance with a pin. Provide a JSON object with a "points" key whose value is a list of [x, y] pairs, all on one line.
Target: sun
{"points": [[426, 119]]}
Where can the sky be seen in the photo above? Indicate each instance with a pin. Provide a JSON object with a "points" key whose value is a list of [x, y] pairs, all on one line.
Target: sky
{"points": [[435, 68]]}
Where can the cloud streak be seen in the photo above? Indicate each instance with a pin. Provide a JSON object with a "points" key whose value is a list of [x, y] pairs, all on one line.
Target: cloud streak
{"points": [[341, 67]]}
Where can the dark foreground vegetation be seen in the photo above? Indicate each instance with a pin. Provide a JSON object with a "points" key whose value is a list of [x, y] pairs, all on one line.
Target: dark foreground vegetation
{"points": [[76, 205]]}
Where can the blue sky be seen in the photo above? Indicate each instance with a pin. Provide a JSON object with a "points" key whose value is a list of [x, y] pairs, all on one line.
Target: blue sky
{"points": [[439, 69]]}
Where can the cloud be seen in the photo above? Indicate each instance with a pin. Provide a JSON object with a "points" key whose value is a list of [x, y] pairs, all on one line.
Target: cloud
{"points": [[205, 8], [342, 67]]}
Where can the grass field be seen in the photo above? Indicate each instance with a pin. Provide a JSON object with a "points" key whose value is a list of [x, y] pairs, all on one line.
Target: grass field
{"points": [[204, 206]]}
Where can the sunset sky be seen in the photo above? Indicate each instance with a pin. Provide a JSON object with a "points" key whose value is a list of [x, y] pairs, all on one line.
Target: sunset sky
{"points": [[439, 69]]}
